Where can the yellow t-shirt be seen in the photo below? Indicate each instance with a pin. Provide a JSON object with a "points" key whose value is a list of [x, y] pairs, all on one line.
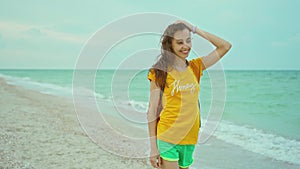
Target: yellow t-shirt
{"points": [[180, 117]]}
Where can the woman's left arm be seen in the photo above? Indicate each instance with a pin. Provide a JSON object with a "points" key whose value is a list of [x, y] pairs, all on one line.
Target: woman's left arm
{"points": [[222, 46]]}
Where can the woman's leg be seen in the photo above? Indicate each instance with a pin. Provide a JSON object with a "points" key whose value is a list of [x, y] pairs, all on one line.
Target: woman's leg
{"points": [[169, 164]]}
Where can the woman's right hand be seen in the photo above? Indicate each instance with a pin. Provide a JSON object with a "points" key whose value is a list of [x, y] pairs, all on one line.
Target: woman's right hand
{"points": [[187, 24], [155, 158]]}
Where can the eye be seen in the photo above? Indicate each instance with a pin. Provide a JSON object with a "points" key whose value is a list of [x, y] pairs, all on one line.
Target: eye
{"points": [[188, 41], [180, 42]]}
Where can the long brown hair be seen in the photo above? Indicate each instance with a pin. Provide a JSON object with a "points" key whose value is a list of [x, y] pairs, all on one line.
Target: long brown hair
{"points": [[166, 57]]}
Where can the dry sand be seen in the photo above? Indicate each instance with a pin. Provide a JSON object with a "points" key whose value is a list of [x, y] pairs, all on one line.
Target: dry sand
{"points": [[42, 131]]}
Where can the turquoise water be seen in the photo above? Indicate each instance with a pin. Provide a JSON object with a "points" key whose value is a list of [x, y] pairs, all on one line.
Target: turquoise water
{"points": [[260, 105]]}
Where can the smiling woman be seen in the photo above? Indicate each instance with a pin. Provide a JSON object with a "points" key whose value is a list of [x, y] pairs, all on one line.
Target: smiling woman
{"points": [[174, 84]]}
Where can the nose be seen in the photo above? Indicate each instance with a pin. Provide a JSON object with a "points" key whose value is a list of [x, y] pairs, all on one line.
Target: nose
{"points": [[189, 45]]}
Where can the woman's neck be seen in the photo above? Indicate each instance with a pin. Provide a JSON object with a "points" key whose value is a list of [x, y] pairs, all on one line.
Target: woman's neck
{"points": [[179, 64]]}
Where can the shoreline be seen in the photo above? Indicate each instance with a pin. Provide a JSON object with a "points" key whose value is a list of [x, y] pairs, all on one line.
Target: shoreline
{"points": [[42, 131]]}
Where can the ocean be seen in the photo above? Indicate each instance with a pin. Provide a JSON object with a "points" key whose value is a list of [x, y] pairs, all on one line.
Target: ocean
{"points": [[261, 112]]}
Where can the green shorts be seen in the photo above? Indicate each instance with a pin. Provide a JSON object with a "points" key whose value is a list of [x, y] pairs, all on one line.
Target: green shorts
{"points": [[175, 152]]}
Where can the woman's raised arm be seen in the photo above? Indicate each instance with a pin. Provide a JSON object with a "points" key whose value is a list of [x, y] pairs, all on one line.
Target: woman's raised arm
{"points": [[222, 46]]}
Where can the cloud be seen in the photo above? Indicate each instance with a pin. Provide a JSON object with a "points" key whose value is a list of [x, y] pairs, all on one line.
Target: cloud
{"points": [[295, 38], [67, 37], [229, 17], [289, 41], [31, 32], [279, 43], [34, 32], [74, 27], [2, 42]]}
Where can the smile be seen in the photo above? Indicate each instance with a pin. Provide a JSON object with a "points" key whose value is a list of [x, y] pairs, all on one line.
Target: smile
{"points": [[185, 51]]}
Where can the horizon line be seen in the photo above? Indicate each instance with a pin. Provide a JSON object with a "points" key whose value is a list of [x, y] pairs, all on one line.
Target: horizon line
{"points": [[3, 69]]}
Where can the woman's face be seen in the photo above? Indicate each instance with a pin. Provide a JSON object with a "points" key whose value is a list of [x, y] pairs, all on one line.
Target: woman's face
{"points": [[181, 43]]}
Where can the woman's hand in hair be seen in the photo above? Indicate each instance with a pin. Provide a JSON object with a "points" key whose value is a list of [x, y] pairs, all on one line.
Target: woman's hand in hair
{"points": [[187, 24]]}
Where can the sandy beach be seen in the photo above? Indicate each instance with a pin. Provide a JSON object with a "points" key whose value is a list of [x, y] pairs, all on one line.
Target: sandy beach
{"points": [[42, 131]]}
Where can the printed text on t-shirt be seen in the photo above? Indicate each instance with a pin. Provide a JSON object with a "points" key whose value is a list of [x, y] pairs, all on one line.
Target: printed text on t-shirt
{"points": [[178, 87]]}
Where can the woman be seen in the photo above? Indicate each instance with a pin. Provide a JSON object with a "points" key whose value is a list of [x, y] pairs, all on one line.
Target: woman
{"points": [[174, 134]]}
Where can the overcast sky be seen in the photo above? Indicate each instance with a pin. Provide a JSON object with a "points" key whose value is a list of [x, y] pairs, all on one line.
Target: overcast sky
{"points": [[50, 34]]}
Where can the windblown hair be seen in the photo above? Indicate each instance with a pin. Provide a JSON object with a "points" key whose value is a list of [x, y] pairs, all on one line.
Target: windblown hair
{"points": [[166, 58]]}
